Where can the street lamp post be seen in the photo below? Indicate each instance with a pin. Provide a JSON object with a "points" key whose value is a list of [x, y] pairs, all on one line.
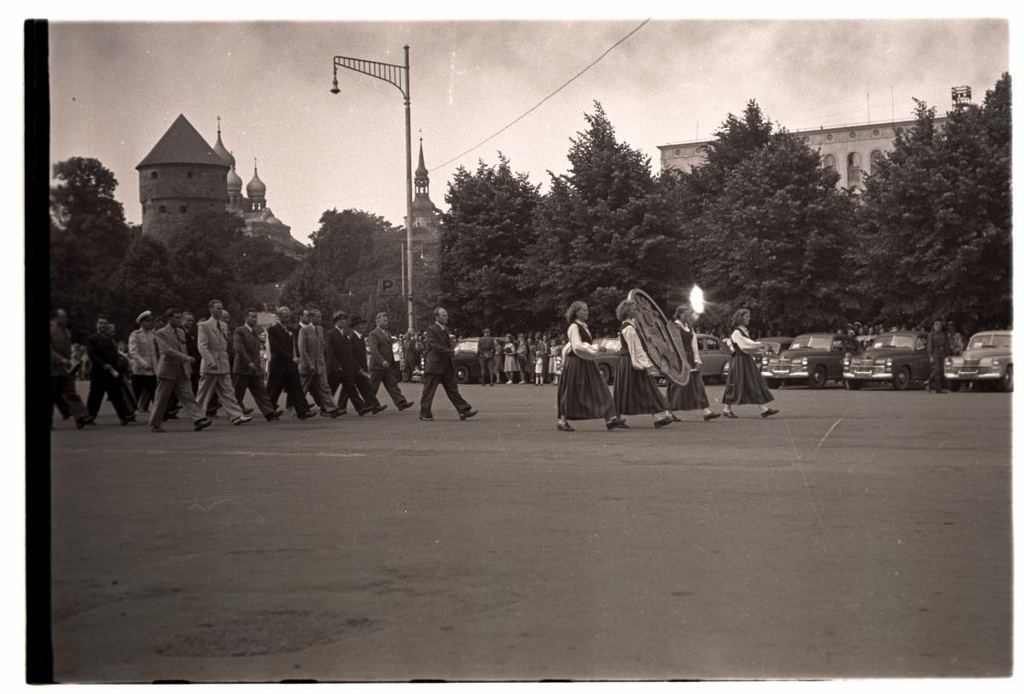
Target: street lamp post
{"points": [[398, 75]]}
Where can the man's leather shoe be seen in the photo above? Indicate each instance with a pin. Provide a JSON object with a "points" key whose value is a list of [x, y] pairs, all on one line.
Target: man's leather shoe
{"points": [[306, 415], [241, 420], [405, 405], [379, 408], [201, 424], [246, 410], [335, 413], [127, 420], [467, 414], [89, 419], [365, 411], [158, 430], [426, 418]]}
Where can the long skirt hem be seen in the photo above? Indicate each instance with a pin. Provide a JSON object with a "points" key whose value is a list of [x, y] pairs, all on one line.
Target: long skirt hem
{"points": [[582, 392], [745, 386], [635, 390]]}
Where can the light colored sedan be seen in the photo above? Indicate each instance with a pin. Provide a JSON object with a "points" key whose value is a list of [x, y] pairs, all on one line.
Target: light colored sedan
{"points": [[988, 360]]}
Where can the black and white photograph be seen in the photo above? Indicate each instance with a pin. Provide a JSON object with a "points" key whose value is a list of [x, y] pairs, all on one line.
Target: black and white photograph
{"points": [[394, 348]]}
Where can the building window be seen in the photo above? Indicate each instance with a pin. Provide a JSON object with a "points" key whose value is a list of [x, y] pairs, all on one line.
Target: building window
{"points": [[163, 209], [876, 132], [190, 174], [182, 209], [829, 161], [678, 152], [853, 134], [828, 138], [876, 160], [154, 175], [853, 169]]}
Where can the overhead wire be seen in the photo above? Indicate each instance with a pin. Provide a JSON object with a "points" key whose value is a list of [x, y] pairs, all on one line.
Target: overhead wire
{"points": [[541, 102]]}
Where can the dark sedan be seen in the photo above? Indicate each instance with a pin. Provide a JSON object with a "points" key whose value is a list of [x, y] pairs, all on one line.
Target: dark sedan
{"points": [[900, 358], [466, 360], [813, 359]]}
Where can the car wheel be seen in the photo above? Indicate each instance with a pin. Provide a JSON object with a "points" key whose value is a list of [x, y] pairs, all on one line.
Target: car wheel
{"points": [[901, 379], [773, 383], [462, 374], [954, 386], [1006, 382], [606, 373], [818, 377], [854, 385]]}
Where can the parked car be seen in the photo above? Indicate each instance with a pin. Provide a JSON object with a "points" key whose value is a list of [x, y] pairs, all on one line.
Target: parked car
{"points": [[714, 357], [775, 345], [988, 360], [466, 360], [900, 358], [812, 358]]}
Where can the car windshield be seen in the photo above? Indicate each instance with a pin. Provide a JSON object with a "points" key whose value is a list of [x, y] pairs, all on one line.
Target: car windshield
{"points": [[812, 342], [466, 346], [979, 341], [893, 342]]}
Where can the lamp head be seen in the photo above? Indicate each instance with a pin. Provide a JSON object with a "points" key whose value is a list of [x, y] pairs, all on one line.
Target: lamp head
{"points": [[334, 88]]}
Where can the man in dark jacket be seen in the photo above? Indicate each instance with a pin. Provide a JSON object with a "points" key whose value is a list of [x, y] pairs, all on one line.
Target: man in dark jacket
{"points": [[382, 358], [341, 367], [62, 372], [105, 378], [284, 369], [485, 353], [361, 373], [438, 368], [246, 371], [938, 350]]}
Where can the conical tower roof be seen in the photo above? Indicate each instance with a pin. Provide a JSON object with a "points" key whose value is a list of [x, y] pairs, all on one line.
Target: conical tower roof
{"points": [[182, 144], [421, 170]]}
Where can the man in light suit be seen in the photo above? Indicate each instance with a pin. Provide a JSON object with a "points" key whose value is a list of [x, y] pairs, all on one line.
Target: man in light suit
{"points": [[382, 363], [438, 368], [313, 363], [215, 373], [174, 375], [246, 371]]}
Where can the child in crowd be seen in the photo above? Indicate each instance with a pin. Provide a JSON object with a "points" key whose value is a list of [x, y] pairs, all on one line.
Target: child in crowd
{"points": [[538, 370]]}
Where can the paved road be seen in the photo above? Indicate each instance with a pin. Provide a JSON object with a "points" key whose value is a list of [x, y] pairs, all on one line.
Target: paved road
{"points": [[857, 534]]}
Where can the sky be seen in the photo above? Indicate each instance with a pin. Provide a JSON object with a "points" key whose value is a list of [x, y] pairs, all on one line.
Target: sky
{"points": [[116, 87]]}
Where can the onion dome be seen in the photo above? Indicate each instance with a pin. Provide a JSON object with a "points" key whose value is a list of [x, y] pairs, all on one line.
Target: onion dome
{"points": [[221, 150], [255, 188], [234, 181]]}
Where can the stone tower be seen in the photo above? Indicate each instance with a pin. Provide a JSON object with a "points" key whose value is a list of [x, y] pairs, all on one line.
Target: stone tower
{"points": [[180, 176]]}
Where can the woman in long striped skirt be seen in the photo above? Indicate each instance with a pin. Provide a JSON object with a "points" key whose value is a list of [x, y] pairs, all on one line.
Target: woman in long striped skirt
{"points": [[745, 384], [582, 393], [635, 389], [692, 396]]}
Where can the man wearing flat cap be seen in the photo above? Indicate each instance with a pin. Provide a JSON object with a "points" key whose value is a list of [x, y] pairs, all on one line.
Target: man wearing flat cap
{"points": [[341, 365], [142, 355]]}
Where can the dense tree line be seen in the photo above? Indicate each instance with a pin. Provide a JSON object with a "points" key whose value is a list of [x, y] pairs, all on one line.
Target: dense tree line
{"points": [[759, 224]]}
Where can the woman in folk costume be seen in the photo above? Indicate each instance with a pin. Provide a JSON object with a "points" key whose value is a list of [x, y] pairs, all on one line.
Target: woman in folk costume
{"points": [[745, 384], [691, 396], [636, 392], [582, 392]]}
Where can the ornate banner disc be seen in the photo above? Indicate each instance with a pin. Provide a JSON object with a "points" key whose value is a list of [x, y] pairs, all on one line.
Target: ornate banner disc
{"points": [[660, 339]]}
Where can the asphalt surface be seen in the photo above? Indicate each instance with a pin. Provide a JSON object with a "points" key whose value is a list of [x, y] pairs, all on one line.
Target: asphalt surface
{"points": [[856, 534]]}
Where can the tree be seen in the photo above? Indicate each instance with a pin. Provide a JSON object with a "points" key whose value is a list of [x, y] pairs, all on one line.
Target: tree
{"points": [[88, 237], [773, 240], [936, 226], [144, 281], [601, 230], [200, 264], [257, 260], [485, 235]]}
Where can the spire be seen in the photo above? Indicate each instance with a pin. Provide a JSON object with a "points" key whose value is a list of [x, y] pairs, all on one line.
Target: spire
{"points": [[221, 150], [421, 170]]}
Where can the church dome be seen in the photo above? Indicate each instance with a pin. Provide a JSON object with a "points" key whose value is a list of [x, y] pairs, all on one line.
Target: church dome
{"points": [[256, 188], [222, 151], [234, 181]]}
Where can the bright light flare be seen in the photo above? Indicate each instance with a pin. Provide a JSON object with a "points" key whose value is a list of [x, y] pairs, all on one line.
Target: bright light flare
{"points": [[697, 299]]}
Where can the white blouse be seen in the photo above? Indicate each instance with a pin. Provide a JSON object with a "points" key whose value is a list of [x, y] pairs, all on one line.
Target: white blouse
{"points": [[581, 349], [741, 339], [637, 354]]}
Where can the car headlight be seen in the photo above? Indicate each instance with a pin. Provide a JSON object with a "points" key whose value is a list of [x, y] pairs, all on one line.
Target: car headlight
{"points": [[804, 361], [846, 361], [888, 363], [949, 361], [996, 362]]}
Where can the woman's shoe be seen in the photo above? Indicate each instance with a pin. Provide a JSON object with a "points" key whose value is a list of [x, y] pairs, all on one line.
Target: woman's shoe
{"points": [[730, 414], [769, 412], [712, 415], [565, 427]]}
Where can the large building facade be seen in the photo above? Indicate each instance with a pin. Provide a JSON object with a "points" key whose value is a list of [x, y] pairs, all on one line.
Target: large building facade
{"points": [[183, 174], [852, 150]]}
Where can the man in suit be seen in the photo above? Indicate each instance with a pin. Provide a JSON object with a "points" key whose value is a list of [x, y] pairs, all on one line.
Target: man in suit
{"points": [[62, 370], [341, 366], [361, 373], [142, 353], [105, 379], [313, 364], [284, 366], [382, 363], [485, 354], [938, 350], [188, 325], [246, 371], [174, 375], [215, 375], [438, 368]]}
